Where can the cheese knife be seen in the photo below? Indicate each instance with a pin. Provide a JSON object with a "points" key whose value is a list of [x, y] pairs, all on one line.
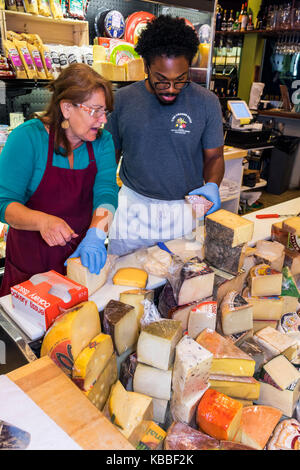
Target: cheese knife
{"points": [[274, 216]]}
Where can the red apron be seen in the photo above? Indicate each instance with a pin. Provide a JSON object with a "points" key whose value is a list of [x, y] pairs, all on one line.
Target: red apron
{"points": [[64, 193]]}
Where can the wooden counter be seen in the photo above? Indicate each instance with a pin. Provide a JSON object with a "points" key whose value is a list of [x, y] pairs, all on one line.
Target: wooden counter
{"points": [[63, 402], [231, 153], [279, 113]]}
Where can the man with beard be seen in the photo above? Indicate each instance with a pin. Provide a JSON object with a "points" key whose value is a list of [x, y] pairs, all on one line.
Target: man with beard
{"points": [[169, 133]]}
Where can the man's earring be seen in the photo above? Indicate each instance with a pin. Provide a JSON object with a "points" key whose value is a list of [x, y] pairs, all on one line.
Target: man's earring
{"points": [[65, 124]]}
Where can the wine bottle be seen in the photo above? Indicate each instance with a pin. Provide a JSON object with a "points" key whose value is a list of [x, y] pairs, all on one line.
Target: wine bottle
{"points": [[250, 25], [236, 24], [218, 18], [224, 21], [230, 21]]}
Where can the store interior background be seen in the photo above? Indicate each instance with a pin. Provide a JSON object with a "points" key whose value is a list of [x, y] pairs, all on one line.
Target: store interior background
{"points": [[237, 60]]}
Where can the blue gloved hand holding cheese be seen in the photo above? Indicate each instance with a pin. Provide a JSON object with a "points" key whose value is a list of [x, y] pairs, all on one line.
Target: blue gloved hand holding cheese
{"points": [[211, 192], [92, 250]]}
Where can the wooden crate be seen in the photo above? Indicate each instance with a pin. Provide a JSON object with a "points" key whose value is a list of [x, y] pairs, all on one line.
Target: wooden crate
{"points": [[65, 31]]}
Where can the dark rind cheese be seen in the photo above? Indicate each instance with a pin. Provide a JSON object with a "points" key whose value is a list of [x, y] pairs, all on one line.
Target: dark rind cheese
{"points": [[166, 300], [115, 312], [127, 371], [222, 256]]}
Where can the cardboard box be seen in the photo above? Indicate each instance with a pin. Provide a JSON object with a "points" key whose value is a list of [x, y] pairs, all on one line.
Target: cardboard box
{"points": [[45, 296]]}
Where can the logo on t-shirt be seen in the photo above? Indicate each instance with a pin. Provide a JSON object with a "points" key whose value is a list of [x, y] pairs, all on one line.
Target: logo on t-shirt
{"points": [[181, 123]]}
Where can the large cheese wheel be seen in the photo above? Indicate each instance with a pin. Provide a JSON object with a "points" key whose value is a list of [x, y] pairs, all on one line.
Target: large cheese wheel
{"points": [[218, 415], [70, 334]]}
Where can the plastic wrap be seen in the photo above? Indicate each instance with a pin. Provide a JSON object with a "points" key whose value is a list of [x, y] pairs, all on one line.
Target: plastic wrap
{"points": [[154, 261], [151, 314], [44, 8], [286, 436], [289, 287], [127, 371], [166, 301]]}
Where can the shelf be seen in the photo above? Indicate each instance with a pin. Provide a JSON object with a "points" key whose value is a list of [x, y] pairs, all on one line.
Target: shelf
{"points": [[273, 32], [260, 184], [230, 198], [67, 31]]}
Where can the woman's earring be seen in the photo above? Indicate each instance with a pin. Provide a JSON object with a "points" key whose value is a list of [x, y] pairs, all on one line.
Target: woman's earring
{"points": [[65, 124]]}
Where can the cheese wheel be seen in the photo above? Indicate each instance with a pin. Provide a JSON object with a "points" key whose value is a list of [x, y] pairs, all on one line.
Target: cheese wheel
{"points": [[218, 415], [70, 334]]}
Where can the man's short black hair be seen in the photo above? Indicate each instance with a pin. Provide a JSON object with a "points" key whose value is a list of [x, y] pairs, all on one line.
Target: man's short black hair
{"points": [[167, 36]]}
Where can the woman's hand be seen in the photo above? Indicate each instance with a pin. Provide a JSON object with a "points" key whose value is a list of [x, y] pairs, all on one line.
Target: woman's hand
{"points": [[55, 231]]}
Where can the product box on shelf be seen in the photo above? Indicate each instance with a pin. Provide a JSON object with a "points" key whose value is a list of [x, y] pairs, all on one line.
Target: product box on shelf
{"points": [[45, 296]]}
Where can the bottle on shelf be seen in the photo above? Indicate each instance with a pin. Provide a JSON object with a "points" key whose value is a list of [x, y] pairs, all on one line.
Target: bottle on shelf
{"points": [[250, 25], [218, 18], [241, 16], [269, 18], [224, 21], [230, 21], [259, 19], [244, 18], [265, 19], [236, 25]]}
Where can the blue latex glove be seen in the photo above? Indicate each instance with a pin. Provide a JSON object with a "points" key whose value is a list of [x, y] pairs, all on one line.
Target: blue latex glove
{"points": [[92, 250], [211, 192]]}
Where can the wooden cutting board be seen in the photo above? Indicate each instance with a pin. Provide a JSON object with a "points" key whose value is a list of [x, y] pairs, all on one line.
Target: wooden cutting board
{"points": [[63, 402]]}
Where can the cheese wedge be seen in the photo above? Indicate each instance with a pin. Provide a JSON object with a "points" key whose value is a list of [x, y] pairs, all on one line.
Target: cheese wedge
{"points": [[119, 405], [109, 71], [159, 409], [151, 381], [203, 315], [292, 225], [120, 322], [182, 313], [274, 343], [236, 314], [195, 282], [246, 388], [224, 257], [225, 283], [70, 334], [284, 400], [261, 324], [91, 361], [292, 260], [279, 372], [157, 342], [265, 308], [270, 253], [290, 304], [180, 436], [135, 297], [257, 425], [99, 393], [191, 368], [133, 277], [135, 70], [218, 415], [228, 359], [250, 347], [264, 281], [79, 273], [184, 409], [231, 229]]}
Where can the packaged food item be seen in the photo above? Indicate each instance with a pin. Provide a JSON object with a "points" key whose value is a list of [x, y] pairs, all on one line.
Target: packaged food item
{"points": [[63, 58], [54, 59], [20, 5], [11, 5], [37, 59], [11, 53], [2, 4], [87, 55], [11, 36], [31, 6], [56, 9], [286, 436], [76, 9], [47, 63], [44, 8], [26, 58]]}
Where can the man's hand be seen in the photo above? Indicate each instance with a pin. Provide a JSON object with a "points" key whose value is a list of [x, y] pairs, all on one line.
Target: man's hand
{"points": [[92, 250], [211, 192], [55, 231]]}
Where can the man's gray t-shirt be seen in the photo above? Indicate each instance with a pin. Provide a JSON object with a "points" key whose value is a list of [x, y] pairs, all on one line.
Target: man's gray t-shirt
{"points": [[162, 145]]}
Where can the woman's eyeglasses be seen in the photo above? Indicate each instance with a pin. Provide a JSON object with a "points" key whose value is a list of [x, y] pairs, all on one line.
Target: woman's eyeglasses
{"points": [[166, 84], [93, 112]]}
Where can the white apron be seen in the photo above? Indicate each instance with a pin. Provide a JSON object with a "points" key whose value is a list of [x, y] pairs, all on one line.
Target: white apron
{"points": [[141, 221]]}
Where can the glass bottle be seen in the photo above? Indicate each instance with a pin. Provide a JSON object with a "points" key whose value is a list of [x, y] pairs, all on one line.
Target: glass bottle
{"points": [[250, 25], [224, 21], [218, 18], [230, 21], [236, 24], [244, 19]]}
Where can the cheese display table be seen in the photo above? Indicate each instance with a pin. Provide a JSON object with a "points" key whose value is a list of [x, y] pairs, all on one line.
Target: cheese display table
{"points": [[209, 351]]}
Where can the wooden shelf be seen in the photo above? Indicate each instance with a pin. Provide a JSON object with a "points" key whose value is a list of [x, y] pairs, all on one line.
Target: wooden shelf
{"points": [[260, 184], [271, 32], [52, 31]]}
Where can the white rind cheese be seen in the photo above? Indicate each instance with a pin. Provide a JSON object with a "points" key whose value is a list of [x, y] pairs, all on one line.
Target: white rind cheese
{"points": [[153, 382], [264, 281], [203, 315]]}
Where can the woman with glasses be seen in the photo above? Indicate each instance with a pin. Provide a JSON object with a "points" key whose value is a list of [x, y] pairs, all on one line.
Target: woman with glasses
{"points": [[58, 187], [169, 132]]}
